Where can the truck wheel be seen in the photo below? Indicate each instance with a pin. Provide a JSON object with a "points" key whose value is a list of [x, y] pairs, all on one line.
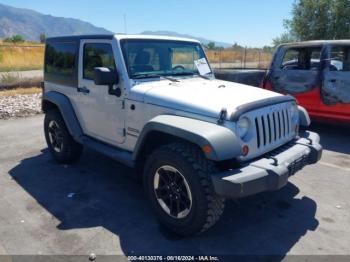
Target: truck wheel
{"points": [[177, 183], [62, 146]]}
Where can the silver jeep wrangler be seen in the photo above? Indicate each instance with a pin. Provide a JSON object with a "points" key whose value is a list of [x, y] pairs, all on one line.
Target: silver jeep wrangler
{"points": [[153, 103]]}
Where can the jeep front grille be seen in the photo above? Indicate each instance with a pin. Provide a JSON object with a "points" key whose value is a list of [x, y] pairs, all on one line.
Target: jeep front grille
{"points": [[273, 127]]}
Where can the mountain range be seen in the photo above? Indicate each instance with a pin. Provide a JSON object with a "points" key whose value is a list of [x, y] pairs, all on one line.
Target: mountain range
{"points": [[31, 24]]}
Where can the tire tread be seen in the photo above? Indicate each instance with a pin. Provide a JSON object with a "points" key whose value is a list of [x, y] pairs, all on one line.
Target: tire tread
{"points": [[204, 169]]}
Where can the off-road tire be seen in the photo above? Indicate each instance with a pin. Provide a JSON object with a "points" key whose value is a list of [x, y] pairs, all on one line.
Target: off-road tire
{"points": [[207, 207], [71, 150]]}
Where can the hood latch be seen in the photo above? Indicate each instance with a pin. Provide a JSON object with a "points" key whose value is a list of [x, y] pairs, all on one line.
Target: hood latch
{"points": [[222, 116]]}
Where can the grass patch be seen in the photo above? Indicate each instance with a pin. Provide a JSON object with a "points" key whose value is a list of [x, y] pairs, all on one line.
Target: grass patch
{"points": [[262, 59], [21, 91], [9, 78], [21, 57]]}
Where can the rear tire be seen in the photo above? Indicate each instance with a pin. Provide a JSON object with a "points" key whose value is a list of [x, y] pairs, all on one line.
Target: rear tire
{"points": [[64, 149], [178, 185]]}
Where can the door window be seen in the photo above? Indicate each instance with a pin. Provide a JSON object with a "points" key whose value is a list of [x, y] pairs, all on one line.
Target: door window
{"points": [[302, 59], [339, 58], [336, 84], [97, 55]]}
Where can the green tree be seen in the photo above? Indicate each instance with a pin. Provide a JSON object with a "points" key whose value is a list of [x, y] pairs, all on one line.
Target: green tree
{"points": [[211, 46], [341, 19], [283, 39], [17, 39], [14, 39], [237, 47], [42, 38], [319, 19]]}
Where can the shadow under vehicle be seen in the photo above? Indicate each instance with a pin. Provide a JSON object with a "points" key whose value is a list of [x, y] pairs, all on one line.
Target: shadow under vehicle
{"points": [[269, 223]]}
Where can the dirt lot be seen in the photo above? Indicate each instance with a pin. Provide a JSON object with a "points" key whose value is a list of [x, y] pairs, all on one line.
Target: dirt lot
{"points": [[94, 206]]}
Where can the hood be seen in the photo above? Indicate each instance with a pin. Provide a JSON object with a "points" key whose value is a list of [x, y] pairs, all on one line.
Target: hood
{"points": [[199, 96]]}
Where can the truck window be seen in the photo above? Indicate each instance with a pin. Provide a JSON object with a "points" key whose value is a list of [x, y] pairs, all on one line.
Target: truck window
{"points": [[302, 59], [60, 58], [97, 55], [339, 58]]}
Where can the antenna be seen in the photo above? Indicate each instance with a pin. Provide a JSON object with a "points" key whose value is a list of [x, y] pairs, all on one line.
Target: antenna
{"points": [[125, 27]]}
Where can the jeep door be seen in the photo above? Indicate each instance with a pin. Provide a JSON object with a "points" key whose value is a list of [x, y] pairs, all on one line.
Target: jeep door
{"points": [[336, 85], [101, 114], [297, 71]]}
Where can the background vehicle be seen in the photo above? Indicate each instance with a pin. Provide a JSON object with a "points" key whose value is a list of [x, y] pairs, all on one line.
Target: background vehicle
{"points": [[317, 74], [153, 103]]}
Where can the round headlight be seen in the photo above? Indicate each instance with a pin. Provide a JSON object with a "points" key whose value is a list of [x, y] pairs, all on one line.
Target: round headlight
{"points": [[243, 127], [294, 114]]}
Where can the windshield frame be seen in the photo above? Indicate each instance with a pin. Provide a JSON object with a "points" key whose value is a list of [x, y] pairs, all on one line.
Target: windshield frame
{"points": [[186, 73]]}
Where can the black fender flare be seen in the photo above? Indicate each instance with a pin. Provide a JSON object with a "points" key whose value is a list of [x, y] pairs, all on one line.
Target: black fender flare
{"points": [[224, 143], [67, 111]]}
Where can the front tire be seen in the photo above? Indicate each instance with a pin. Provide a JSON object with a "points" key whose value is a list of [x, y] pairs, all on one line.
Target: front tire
{"points": [[64, 149], [177, 183]]}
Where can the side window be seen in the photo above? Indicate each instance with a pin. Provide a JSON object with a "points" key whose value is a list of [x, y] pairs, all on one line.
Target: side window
{"points": [[339, 58], [302, 59], [60, 58], [97, 55], [315, 55], [290, 59]]}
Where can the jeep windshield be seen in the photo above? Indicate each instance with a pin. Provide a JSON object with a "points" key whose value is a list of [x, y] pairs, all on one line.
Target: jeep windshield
{"points": [[146, 58]]}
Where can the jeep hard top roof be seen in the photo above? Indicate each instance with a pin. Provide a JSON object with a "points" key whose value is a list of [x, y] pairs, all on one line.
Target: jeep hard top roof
{"points": [[118, 37], [316, 43]]}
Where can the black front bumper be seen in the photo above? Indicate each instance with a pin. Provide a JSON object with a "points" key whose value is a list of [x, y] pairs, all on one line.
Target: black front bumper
{"points": [[270, 172]]}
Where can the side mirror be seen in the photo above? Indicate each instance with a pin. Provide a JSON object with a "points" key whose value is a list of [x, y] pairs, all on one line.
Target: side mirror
{"points": [[107, 77]]}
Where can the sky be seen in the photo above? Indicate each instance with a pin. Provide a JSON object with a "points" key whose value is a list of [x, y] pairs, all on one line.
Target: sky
{"points": [[252, 23]]}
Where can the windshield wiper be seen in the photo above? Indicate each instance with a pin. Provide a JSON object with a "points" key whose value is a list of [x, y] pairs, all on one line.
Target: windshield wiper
{"points": [[143, 76], [203, 76], [183, 74]]}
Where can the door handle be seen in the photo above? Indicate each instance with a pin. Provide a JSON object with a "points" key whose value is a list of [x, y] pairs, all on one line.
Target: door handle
{"points": [[333, 80], [83, 89]]}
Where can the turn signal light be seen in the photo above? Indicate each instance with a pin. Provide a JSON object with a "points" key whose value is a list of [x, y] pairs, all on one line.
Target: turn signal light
{"points": [[207, 149], [245, 150]]}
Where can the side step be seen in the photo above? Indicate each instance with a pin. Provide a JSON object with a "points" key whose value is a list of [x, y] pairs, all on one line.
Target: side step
{"points": [[113, 152]]}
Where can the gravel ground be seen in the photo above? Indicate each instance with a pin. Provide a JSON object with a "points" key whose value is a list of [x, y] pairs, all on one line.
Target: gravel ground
{"points": [[20, 106]]}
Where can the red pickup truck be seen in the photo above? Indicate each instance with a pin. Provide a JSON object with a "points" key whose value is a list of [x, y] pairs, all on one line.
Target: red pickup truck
{"points": [[317, 73]]}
